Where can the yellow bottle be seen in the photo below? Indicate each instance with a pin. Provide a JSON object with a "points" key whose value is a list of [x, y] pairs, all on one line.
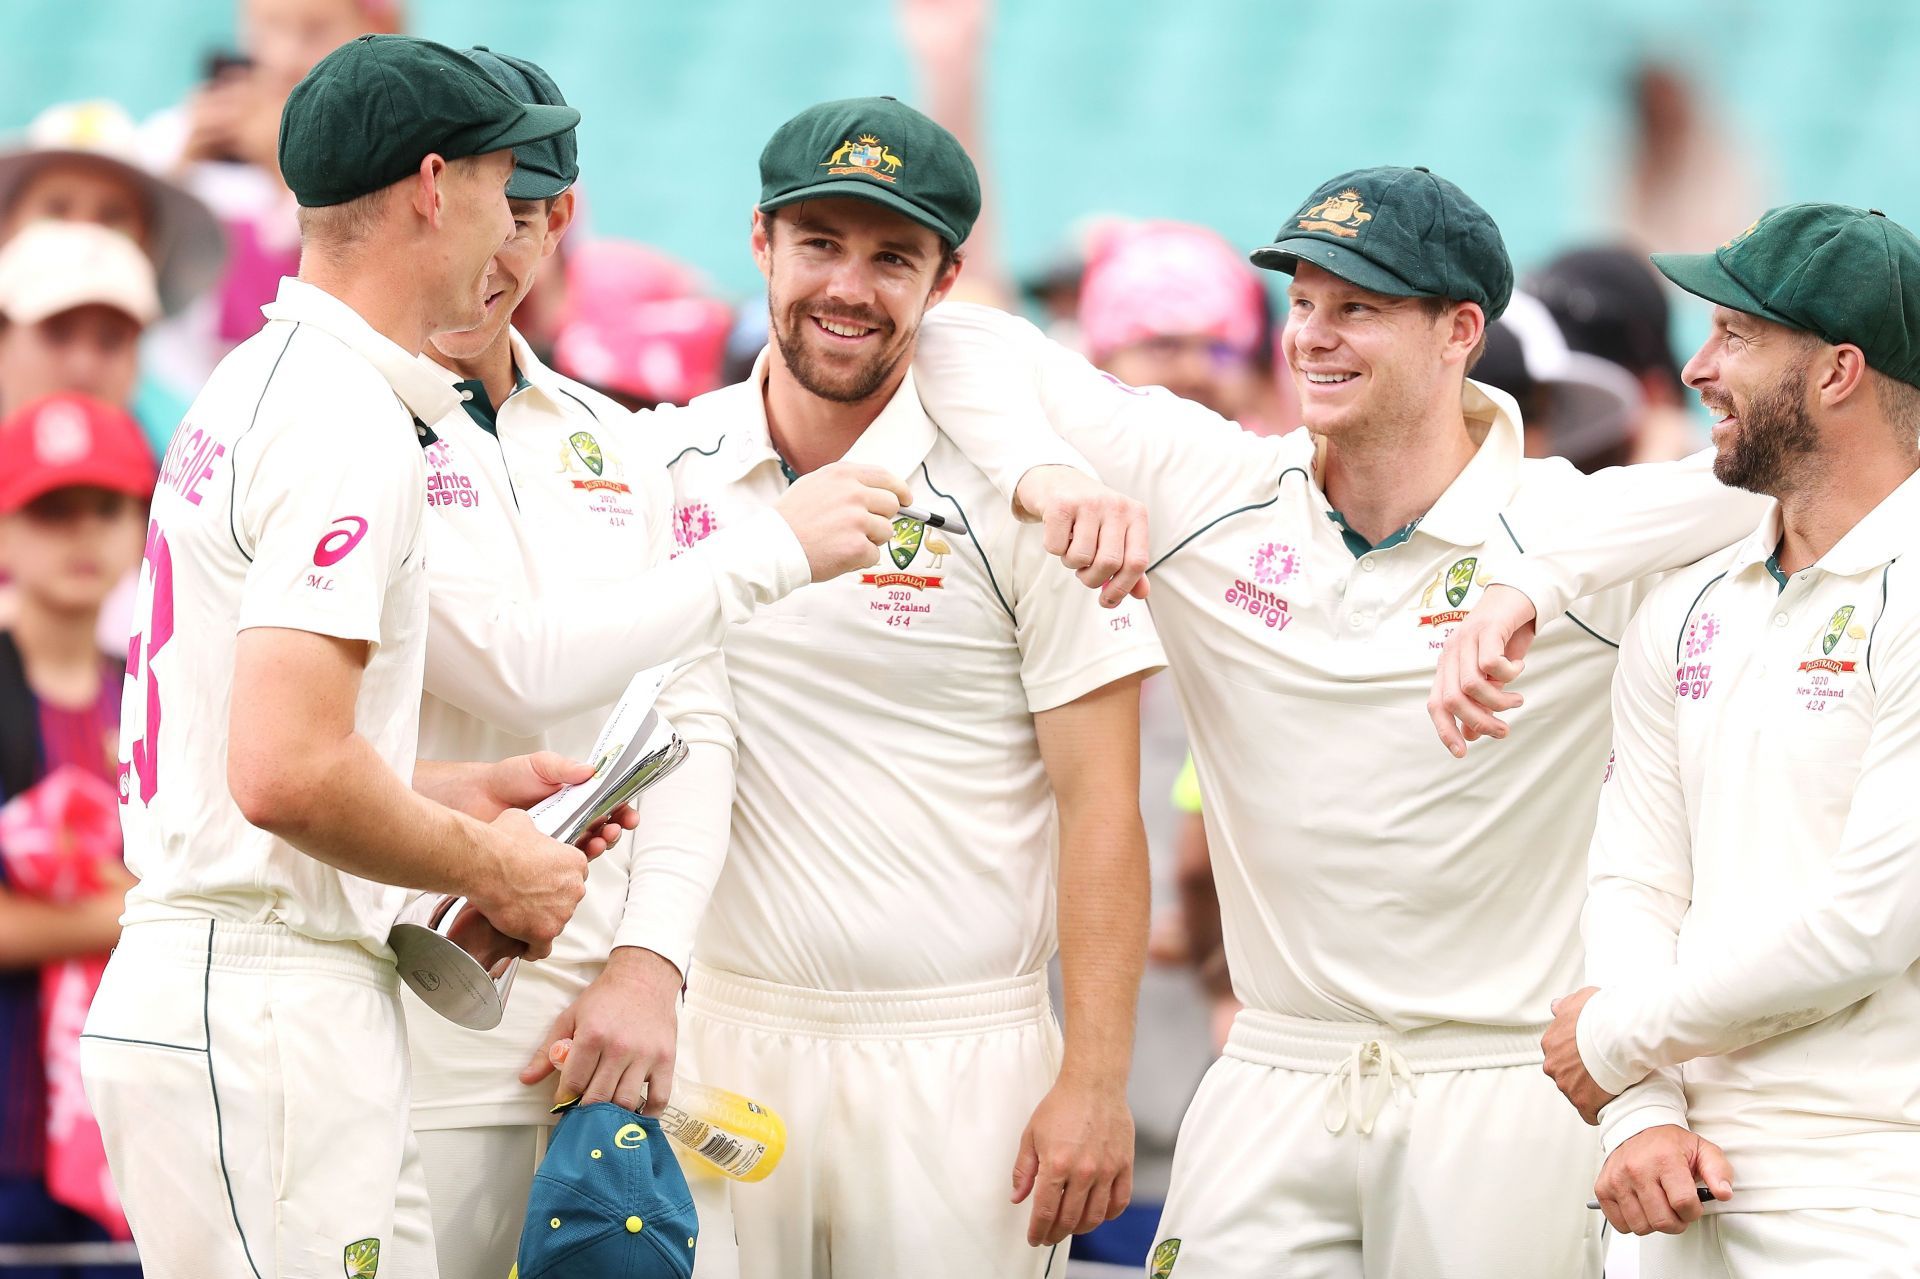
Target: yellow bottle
{"points": [[741, 1138], [737, 1137]]}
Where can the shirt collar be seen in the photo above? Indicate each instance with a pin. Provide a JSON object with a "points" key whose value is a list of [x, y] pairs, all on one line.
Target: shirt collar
{"points": [[896, 441], [1886, 532], [1758, 546], [427, 396], [1467, 513], [529, 371]]}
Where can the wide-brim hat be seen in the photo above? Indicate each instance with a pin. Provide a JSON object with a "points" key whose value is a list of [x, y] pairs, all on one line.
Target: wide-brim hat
{"points": [[187, 244]]}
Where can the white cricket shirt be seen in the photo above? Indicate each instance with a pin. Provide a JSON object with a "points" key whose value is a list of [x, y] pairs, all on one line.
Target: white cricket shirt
{"points": [[290, 497], [550, 525], [1364, 873], [893, 826], [1754, 918]]}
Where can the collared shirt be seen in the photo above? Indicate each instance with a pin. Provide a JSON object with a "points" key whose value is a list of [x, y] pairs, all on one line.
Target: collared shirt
{"points": [[291, 497], [543, 509], [1754, 917], [549, 521], [893, 823], [1364, 874]]}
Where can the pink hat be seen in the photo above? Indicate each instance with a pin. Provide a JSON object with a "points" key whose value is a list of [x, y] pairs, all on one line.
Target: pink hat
{"points": [[636, 322], [1168, 279]]}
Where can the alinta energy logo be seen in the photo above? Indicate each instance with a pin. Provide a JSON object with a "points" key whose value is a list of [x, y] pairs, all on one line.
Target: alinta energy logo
{"points": [[1693, 678], [1274, 563], [693, 523], [1701, 632], [446, 486]]}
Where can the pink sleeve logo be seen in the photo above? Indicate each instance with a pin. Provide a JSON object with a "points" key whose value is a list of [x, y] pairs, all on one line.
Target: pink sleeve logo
{"points": [[339, 543]]}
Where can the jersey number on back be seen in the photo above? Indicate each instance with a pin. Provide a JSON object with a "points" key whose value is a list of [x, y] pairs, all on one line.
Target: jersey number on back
{"points": [[142, 648]]}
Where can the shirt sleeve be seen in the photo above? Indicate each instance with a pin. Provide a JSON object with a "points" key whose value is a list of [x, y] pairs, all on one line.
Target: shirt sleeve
{"points": [[681, 842], [1860, 928], [685, 821], [1625, 523], [995, 385], [1069, 645], [1640, 879], [329, 513], [524, 665]]}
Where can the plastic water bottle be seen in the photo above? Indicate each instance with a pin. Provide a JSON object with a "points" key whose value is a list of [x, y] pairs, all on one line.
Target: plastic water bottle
{"points": [[739, 1137]]}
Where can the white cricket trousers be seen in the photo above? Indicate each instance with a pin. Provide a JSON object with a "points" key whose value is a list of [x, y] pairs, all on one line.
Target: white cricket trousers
{"points": [[1339, 1150], [1804, 1243], [904, 1111], [479, 1180], [251, 1085]]}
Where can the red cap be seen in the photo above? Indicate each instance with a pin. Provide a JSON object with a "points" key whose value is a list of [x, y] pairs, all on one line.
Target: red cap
{"points": [[71, 441]]}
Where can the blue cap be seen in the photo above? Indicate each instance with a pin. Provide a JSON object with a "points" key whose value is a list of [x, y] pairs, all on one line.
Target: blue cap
{"points": [[542, 169], [609, 1202]]}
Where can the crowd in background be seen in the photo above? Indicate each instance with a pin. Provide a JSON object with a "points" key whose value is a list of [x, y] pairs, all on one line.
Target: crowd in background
{"points": [[135, 253]]}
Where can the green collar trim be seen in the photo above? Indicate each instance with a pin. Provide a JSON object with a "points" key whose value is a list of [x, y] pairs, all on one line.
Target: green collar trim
{"points": [[1773, 567], [792, 475], [1360, 546], [473, 398]]}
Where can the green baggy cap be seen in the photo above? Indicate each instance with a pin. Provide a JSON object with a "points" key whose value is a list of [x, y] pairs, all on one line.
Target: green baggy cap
{"points": [[1407, 233], [541, 170], [877, 149], [371, 110], [1837, 272]]}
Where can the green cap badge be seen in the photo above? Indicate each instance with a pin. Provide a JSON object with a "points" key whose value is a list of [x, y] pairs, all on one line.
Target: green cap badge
{"points": [[874, 149], [371, 110], [543, 169], [1830, 270], [1404, 232]]}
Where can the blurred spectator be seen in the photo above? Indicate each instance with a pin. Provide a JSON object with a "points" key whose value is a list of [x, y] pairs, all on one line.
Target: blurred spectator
{"points": [[946, 45], [223, 143], [1609, 302], [73, 497], [80, 162], [1690, 184], [1572, 404], [1167, 304], [73, 300], [638, 325]]}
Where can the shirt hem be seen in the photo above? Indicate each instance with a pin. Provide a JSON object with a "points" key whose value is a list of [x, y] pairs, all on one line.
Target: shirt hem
{"points": [[1139, 659]]}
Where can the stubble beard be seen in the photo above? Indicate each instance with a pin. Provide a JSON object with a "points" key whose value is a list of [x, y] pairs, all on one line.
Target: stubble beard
{"points": [[816, 376]]}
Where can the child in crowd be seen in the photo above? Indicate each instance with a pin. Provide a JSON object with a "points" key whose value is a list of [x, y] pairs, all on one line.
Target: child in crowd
{"points": [[75, 479]]}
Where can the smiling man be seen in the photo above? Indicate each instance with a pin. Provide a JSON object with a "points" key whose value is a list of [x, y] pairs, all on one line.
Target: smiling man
{"points": [[246, 1052], [550, 530], [1395, 923], [1754, 922], [919, 747]]}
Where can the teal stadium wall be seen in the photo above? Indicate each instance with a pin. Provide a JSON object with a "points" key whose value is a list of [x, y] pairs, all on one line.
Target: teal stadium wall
{"points": [[1220, 111]]}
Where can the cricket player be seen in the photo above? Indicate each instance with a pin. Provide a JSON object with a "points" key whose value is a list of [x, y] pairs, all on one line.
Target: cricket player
{"points": [[1753, 924], [245, 1055], [1395, 925], [917, 746], [550, 530]]}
